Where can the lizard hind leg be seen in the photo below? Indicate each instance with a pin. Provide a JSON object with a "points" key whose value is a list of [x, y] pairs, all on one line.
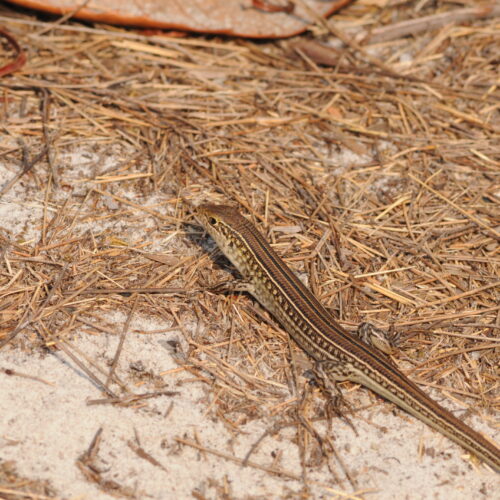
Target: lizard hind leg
{"points": [[382, 340], [327, 374]]}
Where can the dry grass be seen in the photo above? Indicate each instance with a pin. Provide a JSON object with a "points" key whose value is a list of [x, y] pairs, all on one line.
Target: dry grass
{"points": [[13, 486], [379, 183]]}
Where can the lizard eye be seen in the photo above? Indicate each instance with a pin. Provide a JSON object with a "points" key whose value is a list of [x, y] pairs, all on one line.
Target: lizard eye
{"points": [[212, 221]]}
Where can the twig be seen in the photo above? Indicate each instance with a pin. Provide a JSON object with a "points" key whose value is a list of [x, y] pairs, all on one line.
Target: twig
{"points": [[428, 23], [20, 58]]}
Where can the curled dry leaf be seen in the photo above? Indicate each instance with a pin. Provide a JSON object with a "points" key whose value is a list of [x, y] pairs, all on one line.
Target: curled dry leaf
{"points": [[263, 19]]}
